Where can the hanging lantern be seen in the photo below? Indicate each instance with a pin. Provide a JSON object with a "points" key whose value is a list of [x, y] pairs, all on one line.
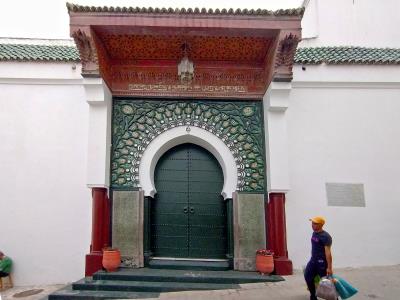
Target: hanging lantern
{"points": [[185, 66]]}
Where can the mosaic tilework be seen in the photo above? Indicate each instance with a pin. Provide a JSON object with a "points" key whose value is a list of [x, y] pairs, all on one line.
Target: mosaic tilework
{"points": [[238, 124]]}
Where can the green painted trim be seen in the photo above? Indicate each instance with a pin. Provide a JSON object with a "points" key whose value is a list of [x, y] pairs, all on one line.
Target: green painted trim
{"points": [[230, 246]]}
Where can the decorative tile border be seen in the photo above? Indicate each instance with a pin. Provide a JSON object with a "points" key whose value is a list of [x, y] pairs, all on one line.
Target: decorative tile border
{"points": [[238, 124]]}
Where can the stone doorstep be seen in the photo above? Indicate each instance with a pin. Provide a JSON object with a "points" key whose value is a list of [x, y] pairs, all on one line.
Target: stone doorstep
{"points": [[146, 286], [168, 275]]}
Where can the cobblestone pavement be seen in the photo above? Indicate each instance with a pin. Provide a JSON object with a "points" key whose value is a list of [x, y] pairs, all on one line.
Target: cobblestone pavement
{"points": [[372, 283]]}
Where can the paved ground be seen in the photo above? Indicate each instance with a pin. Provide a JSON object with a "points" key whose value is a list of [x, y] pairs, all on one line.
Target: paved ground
{"points": [[372, 283]]}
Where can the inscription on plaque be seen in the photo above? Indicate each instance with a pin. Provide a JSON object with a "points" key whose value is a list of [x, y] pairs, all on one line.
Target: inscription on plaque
{"points": [[186, 88], [345, 194]]}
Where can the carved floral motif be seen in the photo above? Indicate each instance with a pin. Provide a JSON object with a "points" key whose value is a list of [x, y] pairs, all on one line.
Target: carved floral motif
{"points": [[87, 52], [285, 56], [202, 48]]}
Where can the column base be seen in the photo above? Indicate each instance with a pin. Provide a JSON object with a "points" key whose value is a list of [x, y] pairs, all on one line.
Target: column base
{"points": [[93, 263], [283, 266]]}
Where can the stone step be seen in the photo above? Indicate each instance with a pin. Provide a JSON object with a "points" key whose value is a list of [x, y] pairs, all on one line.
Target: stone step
{"points": [[221, 265], [87, 284], [167, 275], [67, 293]]}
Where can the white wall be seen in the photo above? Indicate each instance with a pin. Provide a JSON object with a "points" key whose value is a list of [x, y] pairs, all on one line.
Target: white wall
{"points": [[45, 204], [368, 23], [344, 126]]}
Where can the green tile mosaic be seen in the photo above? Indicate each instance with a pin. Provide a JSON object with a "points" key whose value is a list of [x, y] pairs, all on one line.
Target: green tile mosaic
{"points": [[238, 124]]}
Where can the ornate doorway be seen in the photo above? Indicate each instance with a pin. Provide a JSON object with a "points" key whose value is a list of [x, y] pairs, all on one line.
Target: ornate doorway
{"points": [[188, 216]]}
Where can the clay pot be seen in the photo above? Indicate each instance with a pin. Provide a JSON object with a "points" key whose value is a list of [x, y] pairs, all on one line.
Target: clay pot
{"points": [[111, 259], [264, 263]]}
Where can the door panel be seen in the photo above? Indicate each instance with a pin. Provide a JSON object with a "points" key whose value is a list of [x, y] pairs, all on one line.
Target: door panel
{"points": [[188, 213], [168, 222]]}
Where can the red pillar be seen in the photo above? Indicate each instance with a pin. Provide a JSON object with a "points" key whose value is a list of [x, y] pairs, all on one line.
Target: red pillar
{"points": [[100, 230], [276, 233]]}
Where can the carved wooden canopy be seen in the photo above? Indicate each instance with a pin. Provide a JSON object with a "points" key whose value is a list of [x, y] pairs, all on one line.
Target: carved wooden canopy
{"points": [[236, 54]]}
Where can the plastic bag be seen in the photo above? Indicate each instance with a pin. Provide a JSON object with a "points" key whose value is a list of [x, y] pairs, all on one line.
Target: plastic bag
{"points": [[344, 289], [326, 289]]}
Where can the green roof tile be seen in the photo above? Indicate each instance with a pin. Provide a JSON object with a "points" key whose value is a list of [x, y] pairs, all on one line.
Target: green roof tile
{"points": [[347, 55], [27, 52], [317, 55], [203, 11]]}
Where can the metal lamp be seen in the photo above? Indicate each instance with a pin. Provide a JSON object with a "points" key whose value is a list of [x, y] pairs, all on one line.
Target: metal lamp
{"points": [[185, 66]]}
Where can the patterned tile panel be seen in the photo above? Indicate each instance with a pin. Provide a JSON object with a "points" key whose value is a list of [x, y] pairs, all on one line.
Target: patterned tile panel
{"points": [[238, 124]]}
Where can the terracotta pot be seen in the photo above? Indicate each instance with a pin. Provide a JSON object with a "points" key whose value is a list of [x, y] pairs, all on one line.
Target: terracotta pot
{"points": [[111, 259], [264, 263]]}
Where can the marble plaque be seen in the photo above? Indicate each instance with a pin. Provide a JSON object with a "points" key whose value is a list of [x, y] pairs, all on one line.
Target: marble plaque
{"points": [[345, 194]]}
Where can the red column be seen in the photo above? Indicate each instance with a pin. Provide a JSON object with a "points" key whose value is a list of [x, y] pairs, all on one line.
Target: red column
{"points": [[276, 233], [100, 230]]}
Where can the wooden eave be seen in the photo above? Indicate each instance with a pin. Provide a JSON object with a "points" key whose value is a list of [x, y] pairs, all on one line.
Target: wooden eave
{"points": [[94, 31]]}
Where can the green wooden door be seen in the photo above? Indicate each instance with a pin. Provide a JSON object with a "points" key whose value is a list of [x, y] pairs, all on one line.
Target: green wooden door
{"points": [[188, 216]]}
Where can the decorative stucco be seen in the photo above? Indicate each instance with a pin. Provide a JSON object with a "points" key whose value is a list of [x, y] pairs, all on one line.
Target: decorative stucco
{"points": [[194, 135]]}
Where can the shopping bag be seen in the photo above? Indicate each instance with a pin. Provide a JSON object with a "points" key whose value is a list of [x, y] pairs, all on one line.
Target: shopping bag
{"points": [[344, 289], [326, 289], [317, 279]]}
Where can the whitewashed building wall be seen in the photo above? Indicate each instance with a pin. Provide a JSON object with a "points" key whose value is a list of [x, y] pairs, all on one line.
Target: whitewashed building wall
{"points": [[343, 126], [45, 205]]}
